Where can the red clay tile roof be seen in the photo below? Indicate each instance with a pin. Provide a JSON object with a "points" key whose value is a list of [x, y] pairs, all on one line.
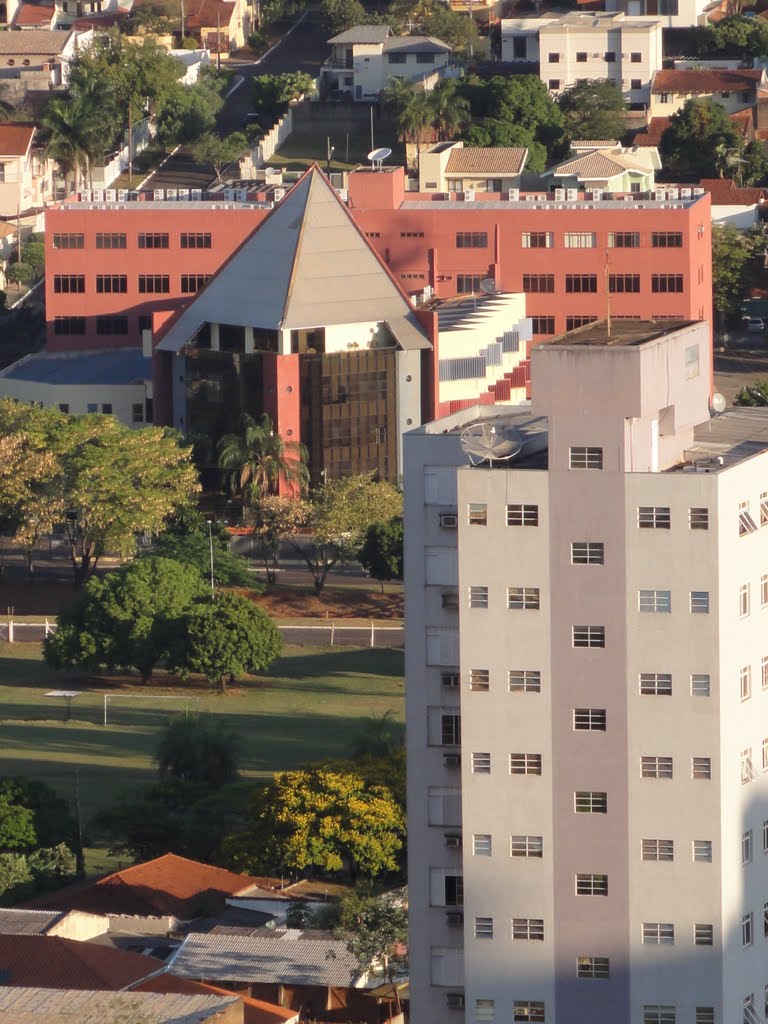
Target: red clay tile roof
{"points": [[43, 961], [651, 136], [204, 13], [486, 160], [168, 885], [15, 139], [255, 1011], [705, 81], [34, 14], [725, 192]]}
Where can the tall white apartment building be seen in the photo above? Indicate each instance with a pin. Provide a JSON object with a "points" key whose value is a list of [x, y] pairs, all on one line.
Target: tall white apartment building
{"points": [[587, 695]]}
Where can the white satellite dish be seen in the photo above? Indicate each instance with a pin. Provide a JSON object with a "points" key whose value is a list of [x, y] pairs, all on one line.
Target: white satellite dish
{"points": [[717, 403], [378, 156], [269, 171], [487, 442], [488, 286]]}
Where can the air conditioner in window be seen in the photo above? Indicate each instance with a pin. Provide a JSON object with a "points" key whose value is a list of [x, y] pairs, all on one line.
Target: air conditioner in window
{"points": [[453, 842], [573, 195], [454, 919], [513, 195], [449, 679], [452, 761], [449, 520], [454, 1000], [560, 194]]}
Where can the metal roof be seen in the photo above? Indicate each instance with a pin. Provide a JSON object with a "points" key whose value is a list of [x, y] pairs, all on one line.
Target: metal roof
{"points": [[116, 366], [415, 44], [363, 34], [27, 922], [42, 1006], [272, 956]]}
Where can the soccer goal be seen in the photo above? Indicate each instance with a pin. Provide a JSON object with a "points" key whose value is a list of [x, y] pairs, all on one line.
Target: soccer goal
{"points": [[148, 709]]}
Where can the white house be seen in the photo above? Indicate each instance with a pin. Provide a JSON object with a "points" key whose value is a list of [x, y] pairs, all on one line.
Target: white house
{"points": [[580, 46], [193, 61], [734, 89], [610, 168], [673, 13], [454, 167], [363, 60], [26, 174]]}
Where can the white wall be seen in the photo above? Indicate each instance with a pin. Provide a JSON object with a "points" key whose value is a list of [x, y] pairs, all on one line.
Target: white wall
{"points": [[78, 397]]}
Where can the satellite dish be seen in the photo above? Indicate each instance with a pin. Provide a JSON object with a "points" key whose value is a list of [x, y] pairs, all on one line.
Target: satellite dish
{"points": [[488, 286], [717, 404], [269, 171], [487, 442], [378, 156]]}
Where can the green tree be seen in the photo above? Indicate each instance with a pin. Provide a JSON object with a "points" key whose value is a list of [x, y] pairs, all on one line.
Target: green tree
{"points": [[736, 36], [20, 273], [409, 108], [53, 866], [16, 881], [382, 737], [187, 539], [451, 27], [217, 153], [128, 619], [753, 395], [449, 110], [52, 820], [382, 552], [492, 131], [339, 15], [521, 101], [275, 517], [34, 254], [594, 109], [698, 135], [271, 94], [198, 749], [226, 638], [72, 136], [187, 112], [258, 459], [375, 925], [737, 258], [17, 823], [318, 819]]}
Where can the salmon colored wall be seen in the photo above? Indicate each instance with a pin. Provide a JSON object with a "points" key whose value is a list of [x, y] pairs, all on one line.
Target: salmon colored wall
{"points": [[282, 397]]}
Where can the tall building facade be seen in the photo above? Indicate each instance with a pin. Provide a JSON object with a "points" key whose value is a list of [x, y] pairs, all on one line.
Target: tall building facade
{"points": [[587, 672]]}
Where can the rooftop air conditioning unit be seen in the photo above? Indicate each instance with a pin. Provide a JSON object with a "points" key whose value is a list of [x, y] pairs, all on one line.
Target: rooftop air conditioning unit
{"points": [[513, 195], [452, 761], [559, 193], [658, 194], [454, 1000], [85, 196], [110, 195], [573, 195], [343, 194], [172, 193], [685, 193], [698, 191], [196, 193], [159, 194], [673, 193], [278, 194], [469, 195], [453, 842], [98, 195], [449, 520], [229, 195], [183, 193], [454, 919], [122, 195], [597, 194]]}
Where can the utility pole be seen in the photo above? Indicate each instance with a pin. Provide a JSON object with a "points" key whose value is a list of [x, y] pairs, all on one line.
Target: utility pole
{"points": [[210, 541], [182, 23], [218, 40], [79, 855]]}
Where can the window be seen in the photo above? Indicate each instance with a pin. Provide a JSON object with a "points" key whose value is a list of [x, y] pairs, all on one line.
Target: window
{"points": [[479, 679], [92, 407], [483, 927], [622, 283], [519, 47], [470, 239], [698, 518], [654, 600], [482, 845], [589, 719], [705, 1015], [450, 730], [68, 284], [112, 325], [477, 514], [137, 412], [523, 515], [701, 768], [553, 58], [523, 598], [588, 636], [153, 240], [655, 767], [747, 930], [587, 552], [69, 325], [746, 523], [746, 847], [106, 408], [703, 935], [531, 928], [664, 97], [623, 239], [452, 887], [692, 362], [411, 234], [666, 239], [481, 764], [635, 83], [523, 680], [194, 240], [526, 846], [468, 284], [654, 517], [764, 590], [609, 57], [744, 600], [68, 241], [657, 849], [764, 508], [553, 84], [594, 967], [748, 773], [63, 406], [585, 458], [110, 240], [764, 672], [702, 851], [666, 283], [396, 58], [525, 764], [765, 927], [659, 1014], [635, 57], [572, 322], [656, 684], [699, 602], [449, 679], [538, 239], [538, 283], [658, 934], [586, 802], [485, 1009], [764, 750], [525, 1012], [154, 284], [542, 325], [478, 597], [745, 682], [581, 57], [193, 282], [591, 885], [580, 240], [111, 283], [579, 283]]}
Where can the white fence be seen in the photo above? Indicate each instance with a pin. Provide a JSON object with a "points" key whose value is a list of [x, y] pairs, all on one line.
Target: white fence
{"points": [[104, 176]]}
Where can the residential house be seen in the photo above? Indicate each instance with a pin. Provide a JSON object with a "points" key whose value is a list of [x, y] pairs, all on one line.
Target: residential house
{"points": [[220, 26], [739, 206], [71, 924], [255, 1011], [743, 122], [580, 46], [26, 174], [613, 168], [672, 13], [735, 89], [29, 961], [363, 60], [38, 59], [454, 167], [35, 16], [45, 1006]]}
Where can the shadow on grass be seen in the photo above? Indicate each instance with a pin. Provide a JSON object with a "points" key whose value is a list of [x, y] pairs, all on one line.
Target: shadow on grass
{"points": [[334, 662]]}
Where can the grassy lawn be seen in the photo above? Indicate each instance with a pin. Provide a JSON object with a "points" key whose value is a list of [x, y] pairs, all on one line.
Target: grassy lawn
{"points": [[312, 704], [351, 141]]}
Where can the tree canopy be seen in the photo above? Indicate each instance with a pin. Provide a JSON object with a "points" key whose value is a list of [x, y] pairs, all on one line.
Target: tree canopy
{"points": [[382, 552], [737, 265], [189, 111], [698, 138], [187, 540], [735, 36], [271, 94], [375, 925], [258, 459], [198, 749], [217, 153], [594, 110]]}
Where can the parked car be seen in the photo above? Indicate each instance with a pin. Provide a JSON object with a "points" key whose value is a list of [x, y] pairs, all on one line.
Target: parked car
{"points": [[755, 325]]}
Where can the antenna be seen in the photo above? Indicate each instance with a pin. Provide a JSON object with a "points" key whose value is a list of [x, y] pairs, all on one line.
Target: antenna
{"points": [[486, 442], [488, 286], [378, 156]]}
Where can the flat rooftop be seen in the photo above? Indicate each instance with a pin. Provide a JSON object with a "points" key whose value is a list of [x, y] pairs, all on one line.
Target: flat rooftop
{"points": [[621, 333], [734, 436]]}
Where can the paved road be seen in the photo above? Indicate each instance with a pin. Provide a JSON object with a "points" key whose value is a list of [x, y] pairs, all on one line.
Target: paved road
{"points": [[304, 49]]}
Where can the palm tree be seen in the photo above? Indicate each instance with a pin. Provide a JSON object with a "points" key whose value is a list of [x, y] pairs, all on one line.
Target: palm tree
{"points": [[410, 110], [71, 142], [258, 459], [450, 111]]}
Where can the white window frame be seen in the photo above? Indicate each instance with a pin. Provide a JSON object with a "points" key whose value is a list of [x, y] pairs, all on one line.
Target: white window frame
{"points": [[522, 515], [481, 763], [745, 682], [764, 590], [585, 457], [485, 1010], [590, 801], [747, 524], [524, 599], [480, 679], [747, 930], [588, 636], [477, 513], [580, 239], [478, 597], [593, 968], [525, 1011], [747, 847], [524, 680], [698, 602], [703, 935], [654, 766], [658, 933], [654, 601], [654, 517], [483, 927], [525, 764], [659, 1014], [656, 684], [589, 720], [701, 768], [701, 684], [764, 508], [657, 850], [701, 851], [698, 518], [526, 846], [527, 929], [744, 600], [587, 552], [591, 885], [482, 844]]}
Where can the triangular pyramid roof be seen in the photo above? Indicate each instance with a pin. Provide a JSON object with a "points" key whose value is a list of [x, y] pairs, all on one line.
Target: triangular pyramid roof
{"points": [[306, 265]]}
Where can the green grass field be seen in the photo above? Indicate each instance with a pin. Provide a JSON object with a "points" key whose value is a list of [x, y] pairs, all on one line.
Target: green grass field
{"points": [[312, 704]]}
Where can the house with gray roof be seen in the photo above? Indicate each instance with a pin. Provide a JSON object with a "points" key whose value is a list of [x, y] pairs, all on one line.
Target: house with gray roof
{"points": [[364, 59], [62, 1006]]}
